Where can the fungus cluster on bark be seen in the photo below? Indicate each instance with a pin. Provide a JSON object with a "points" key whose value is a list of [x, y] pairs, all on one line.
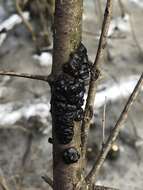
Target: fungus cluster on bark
{"points": [[68, 98]]}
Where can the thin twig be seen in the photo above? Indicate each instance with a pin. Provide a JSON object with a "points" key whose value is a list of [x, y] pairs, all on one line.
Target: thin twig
{"points": [[27, 24], [134, 35], [103, 124], [133, 32], [104, 33], [43, 20], [100, 20], [91, 177], [25, 158], [27, 150], [3, 183], [48, 180], [100, 14], [25, 2], [25, 75], [95, 35], [126, 138], [17, 127], [97, 187], [95, 75], [85, 32], [122, 8]]}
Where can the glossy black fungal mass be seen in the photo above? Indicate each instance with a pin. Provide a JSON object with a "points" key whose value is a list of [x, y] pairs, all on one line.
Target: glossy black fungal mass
{"points": [[68, 94], [50, 140], [71, 155], [78, 65]]}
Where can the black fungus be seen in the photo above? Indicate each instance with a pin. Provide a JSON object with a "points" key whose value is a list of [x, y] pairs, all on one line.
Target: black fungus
{"points": [[71, 155], [68, 94], [50, 140]]}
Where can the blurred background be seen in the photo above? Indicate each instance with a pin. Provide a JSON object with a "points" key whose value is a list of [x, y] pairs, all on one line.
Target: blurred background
{"points": [[25, 121]]}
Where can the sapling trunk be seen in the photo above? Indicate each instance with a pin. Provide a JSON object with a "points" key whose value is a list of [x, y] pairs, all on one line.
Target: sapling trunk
{"points": [[67, 37]]}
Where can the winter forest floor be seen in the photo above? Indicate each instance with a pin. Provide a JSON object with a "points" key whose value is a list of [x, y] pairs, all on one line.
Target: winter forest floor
{"points": [[25, 123]]}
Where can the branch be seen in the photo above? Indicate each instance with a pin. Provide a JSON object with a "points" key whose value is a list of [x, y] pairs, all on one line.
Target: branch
{"points": [[27, 24], [103, 188], [134, 35], [95, 75], [17, 127], [43, 20], [98, 8], [133, 32], [103, 123], [3, 183], [91, 177], [25, 75], [25, 158], [122, 8], [48, 180]]}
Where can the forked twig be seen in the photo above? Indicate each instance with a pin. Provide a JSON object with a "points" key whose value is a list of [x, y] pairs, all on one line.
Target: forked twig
{"points": [[3, 183], [95, 76], [122, 8], [27, 24], [17, 127], [133, 32], [103, 124], [43, 20], [25, 158], [134, 35], [100, 12], [25, 75], [103, 188], [91, 177]]}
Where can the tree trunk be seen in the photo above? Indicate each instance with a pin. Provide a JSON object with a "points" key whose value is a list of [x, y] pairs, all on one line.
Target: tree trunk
{"points": [[67, 35]]}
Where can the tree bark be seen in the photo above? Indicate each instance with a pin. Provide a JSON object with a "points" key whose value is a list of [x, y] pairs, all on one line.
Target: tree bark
{"points": [[67, 35]]}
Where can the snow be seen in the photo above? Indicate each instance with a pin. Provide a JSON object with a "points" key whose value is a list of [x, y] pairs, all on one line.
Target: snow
{"points": [[9, 23], [45, 59], [120, 23], [14, 111], [114, 92], [137, 2], [13, 20], [2, 38]]}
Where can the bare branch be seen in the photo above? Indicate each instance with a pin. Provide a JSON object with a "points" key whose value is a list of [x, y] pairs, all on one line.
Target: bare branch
{"points": [[134, 35], [25, 158], [17, 127], [133, 32], [90, 33], [98, 7], [122, 8], [43, 20], [103, 124], [91, 177], [25, 75], [95, 75], [103, 188], [27, 24], [104, 33], [47, 180], [3, 183]]}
